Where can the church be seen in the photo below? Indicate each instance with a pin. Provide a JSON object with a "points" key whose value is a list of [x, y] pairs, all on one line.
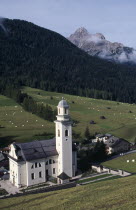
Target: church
{"points": [[37, 161]]}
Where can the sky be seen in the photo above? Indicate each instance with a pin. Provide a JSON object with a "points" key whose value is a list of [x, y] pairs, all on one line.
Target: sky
{"points": [[115, 19]]}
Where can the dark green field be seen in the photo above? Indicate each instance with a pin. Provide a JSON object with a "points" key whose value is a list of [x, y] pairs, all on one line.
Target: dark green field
{"points": [[25, 126]]}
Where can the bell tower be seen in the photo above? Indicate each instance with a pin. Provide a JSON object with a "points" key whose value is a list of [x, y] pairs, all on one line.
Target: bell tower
{"points": [[64, 139]]}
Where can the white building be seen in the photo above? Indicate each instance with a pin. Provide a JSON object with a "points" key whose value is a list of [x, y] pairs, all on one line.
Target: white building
{"points": [[35, 162], [113, 144]]}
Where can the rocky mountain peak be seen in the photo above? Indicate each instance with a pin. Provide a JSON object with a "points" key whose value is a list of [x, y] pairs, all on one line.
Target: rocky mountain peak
{"points": [[80, 33], [81, 30], [97, 45], [100, 36]]}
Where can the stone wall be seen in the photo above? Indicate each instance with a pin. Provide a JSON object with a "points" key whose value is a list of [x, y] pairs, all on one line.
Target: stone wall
{"points": [[100, 169]]}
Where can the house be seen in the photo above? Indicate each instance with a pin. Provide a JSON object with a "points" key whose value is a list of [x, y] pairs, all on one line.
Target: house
{"points": [[102, 137], [113, 144], [117, 145], [35, 162]]}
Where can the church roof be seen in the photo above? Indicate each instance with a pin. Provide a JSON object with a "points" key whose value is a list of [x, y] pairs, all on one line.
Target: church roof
{"points": [[36, 149], [63, 176], [63, 104]]}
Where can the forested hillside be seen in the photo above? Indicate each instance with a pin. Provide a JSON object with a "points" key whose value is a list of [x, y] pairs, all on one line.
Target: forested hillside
{"points": [[40, 58]]}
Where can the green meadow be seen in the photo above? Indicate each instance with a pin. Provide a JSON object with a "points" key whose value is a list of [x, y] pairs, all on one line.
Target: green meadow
{"points": [[124, 162], [118, 120], [102, 195], [22, 126], [19, 125]]}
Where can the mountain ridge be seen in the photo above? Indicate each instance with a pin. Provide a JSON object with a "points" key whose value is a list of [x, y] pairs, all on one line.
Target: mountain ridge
{"points": [[97, 45], [33, 56]]}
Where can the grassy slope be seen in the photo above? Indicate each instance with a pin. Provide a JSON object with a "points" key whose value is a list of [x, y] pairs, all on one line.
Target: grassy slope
{"points": [[104, 195], [10, 111], [121, 163], [119, 122]]}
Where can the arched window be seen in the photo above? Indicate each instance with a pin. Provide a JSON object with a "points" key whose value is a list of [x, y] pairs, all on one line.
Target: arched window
{"points": [[50, 161], [53, 161], [32, 166], [39, 164], [65, 111], [47, 163], [66, 132], [58, 133]]}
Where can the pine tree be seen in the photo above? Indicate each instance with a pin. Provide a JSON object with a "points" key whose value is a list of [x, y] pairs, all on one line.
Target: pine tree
{"points": [[26, 104], [87, 134], [100, 151]]}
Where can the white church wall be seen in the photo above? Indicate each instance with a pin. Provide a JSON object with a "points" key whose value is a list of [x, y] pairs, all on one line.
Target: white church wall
{"points": [[58, 127], [11, 168], [33, 176], [23, 174], [64, 148], [12, 152], [67, 151], [15, 172], [74, 162], [52, 166], [59, 147]]}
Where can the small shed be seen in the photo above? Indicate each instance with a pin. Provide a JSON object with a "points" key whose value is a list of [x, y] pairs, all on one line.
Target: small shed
{"points": [[63, 178]]}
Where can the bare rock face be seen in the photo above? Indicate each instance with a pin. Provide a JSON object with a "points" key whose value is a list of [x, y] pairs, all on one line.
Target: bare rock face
{"points": [[97, 45]]}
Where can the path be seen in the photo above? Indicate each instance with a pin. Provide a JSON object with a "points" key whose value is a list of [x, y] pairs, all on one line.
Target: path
{"points": [[97, 180], [5, 184], [94, 175]]}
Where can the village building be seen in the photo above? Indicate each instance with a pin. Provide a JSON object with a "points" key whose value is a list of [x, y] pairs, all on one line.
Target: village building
{"points": [[117, 145], [102, 137], [113, 144], [35, 162]]}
